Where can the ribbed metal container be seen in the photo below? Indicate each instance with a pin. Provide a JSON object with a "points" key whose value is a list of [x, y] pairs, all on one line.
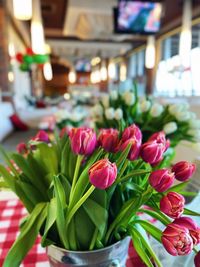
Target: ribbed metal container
{"points": [[112, 256]]}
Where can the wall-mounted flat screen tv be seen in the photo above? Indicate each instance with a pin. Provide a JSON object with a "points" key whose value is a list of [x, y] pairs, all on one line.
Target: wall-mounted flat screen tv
{"points": [[137, 17]]}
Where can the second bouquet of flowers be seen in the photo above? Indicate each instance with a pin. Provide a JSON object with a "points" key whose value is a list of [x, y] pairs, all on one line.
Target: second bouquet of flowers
{"points": [[85, 191]]}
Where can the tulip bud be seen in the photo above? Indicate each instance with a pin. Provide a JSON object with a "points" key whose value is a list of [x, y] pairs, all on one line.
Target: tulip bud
{"points": [[159, 137], [103, 173], [41, 136], [132, 132], [118, 114], [105, 101], [98, 110], [172, 205], [110, 113], [191, 226], [197, 260], [134, 150], [161, 180], [183, 116], [152, 152], [22, 148], [83, 141], [145, 105], [183, 170], [177, 240], [109, 139], [170, 127], [129, 98], [156, 110], [114, 95]]}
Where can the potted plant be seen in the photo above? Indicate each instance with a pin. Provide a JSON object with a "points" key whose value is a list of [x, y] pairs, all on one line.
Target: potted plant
{"points": [[85, 191]]}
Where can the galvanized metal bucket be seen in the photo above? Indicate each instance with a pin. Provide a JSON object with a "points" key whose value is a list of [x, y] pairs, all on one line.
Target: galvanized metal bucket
{"points": [[112, 256]]}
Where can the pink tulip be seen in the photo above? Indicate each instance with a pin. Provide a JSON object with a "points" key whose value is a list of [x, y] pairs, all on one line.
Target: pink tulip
{"points": [[83, 140], [152, 152], [134, 150], [197, 260], [161, 180], [183, 170], [64, 131], [103, 173], [41, 136], [160, 138], [172, 205], [109, 139], [22, 148], [191, 226], [177, 240], [132, 132]]}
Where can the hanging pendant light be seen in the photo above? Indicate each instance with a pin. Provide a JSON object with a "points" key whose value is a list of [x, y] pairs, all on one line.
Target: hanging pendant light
{"points": [[103, 71], [123, 72], [150, 53], [186, 34], [72, 76], [37, 30], [22, 9], [112, 71]]}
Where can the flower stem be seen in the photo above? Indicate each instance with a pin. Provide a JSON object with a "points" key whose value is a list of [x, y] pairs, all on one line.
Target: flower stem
{"points": [[79, 203], [131, 174], [77, 168]]}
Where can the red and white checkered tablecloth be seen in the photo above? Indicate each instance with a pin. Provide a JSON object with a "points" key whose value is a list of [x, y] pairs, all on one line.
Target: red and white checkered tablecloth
{"points": [[11, 213]]}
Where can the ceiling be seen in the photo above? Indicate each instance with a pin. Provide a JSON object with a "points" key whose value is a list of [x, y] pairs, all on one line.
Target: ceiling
{"points": [[84, 28]]}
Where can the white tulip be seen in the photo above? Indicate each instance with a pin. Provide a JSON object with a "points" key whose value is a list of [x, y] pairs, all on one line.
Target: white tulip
{"points": [[76, 116], [194, 124], [174, 109], [170, 127], [105, 101], [114, 95], [193, 115], [182, 116], [145, 105], [129, 98], [110, 113], [118, 114], [98, 110], [195, 133], [156, 110]]}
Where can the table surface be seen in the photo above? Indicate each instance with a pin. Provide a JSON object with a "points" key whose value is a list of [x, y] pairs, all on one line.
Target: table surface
{"points": [[11, 213]]}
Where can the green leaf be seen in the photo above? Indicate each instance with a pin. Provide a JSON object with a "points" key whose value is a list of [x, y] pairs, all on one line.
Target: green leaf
{"points": [[157, 215], [84, 229], [140, 249], [30, 173], [97, 214], [7, 160], [60, 206], [151, 229], [65, 159], [8, 178], [145, 243], [191, 212], [51, 218], [27, 237], [48, 157], [177, 188]]}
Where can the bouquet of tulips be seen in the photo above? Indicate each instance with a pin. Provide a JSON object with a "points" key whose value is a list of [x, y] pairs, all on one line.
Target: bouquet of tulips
{"points": [[119, 110], [86, 190]]}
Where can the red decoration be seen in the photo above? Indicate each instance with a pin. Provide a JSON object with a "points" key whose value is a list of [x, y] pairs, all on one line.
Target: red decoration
{"points": [[19, 57]]}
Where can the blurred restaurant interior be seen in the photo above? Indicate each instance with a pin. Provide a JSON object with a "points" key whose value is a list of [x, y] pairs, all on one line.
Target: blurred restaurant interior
{"points": [[60, 61]]}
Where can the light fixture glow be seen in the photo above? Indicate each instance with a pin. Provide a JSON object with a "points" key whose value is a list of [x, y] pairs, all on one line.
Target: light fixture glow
{"points": [[37, 30], [11, 50], [150, 53], [95, 61], [47, 71], [11, 76], [22, 9], [112, 71], [66, 96], [72, 76], [123, 72], [186, 34], [103, 72]]}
